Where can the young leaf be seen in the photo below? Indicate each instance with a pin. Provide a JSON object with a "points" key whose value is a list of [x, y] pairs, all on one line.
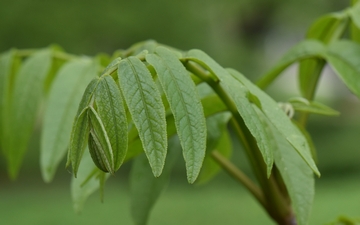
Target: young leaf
{"points": [[25, 100], [326, 29], [280, 121], [145, 188], [218, 139], [303, 105], [240, 95], [78, 141], [111, 110], [6, 64], [185, 105], [64, 98], [303, 50], [103, 154], [297, 176], [343, 57], [146, 109]]}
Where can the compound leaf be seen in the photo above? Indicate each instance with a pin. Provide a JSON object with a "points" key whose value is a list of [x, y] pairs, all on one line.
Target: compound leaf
{"points": [[25, 101], [185, 105], [146, 109], [63, 101], [111, 110]]}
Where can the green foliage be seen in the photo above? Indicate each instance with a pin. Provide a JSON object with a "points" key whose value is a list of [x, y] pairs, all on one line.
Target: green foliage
{"points": [[149, 93]]}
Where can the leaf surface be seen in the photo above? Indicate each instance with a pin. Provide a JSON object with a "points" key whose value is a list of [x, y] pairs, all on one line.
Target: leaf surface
{"points": [[25, 101], [64, 98], [111, 110], [303, 105], [146, 109], [185, 105]]}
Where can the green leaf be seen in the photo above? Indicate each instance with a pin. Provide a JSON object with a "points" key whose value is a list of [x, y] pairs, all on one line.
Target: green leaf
{"points": [[343, 56], [303, 50], [296, 174], [64, 97], [86, 183], [78, 141], [219, 140], [326, 29], [103, 155], [111, 110], [6, 75], [354, 13], [280, 120], [145, 188], [146, 109], [25, 101], [303, 105], [240, 95], [185, 105]]}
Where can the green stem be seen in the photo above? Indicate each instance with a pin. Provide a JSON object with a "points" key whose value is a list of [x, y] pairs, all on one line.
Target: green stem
{"points": [[236, 173]]}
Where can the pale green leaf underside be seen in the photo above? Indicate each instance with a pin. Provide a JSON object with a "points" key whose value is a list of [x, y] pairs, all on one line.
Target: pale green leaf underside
{"points": [[111, 110], [343, 56], [239, 94], [63, 101], [280, 120], [303, 50], [185, 105], [146, 109], [145, 188], [26, 97], [297, 176]]}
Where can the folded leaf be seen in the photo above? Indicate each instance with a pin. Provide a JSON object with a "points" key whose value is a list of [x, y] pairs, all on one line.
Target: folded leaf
{"points": [[280, 120], [185, 105], [242, 99], [25, 100], [343, 56], [111, 110], [146, 109], [145, 188], [63, 101]]}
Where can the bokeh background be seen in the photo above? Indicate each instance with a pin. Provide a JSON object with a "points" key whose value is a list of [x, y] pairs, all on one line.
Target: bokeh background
{"points": [[248, 35]]}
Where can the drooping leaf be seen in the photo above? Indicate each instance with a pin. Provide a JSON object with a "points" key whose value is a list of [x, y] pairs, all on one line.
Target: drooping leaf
{"points": [[23, 108], [343, 56], [280, 120], [86, 183], [326, 29], [240, 95], [63, 101], [185, 105], [296, 174], [78, 140], [6, 75], [303, 105], [303, 50], [145, 188], [146, 109], [111, 110], [218, 139], [103, 155]]}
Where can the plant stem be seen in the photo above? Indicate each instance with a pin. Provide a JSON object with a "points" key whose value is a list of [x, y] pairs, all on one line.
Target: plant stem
{"points": [[236, 173]]}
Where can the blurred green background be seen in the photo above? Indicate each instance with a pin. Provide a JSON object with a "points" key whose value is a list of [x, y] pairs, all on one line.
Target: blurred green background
{"points": [[248, 35]]}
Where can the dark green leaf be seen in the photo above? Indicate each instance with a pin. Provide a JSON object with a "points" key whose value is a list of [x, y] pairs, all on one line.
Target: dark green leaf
{"points": [[147, 111], [64, 98], [185, 105], [280, 120], [304, 50], [25, 101], [145, 188], [111, 110], [343, 56], [240, 95]]}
